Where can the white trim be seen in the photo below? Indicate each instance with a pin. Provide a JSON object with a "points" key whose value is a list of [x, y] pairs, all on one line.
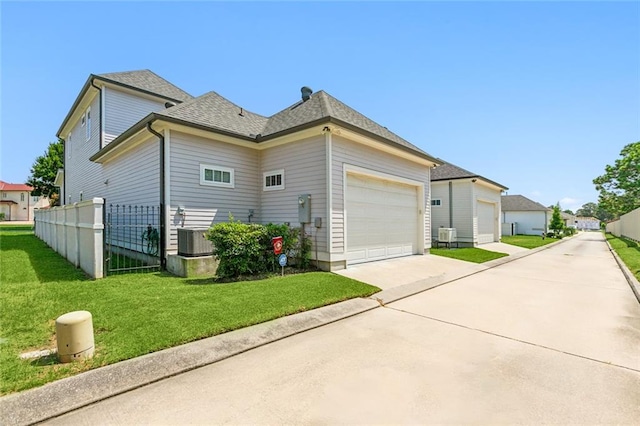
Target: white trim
{"points": [[350, 168], [273, 187], [87, 122], [214, 168], [439, 202], [167, 187], [329, 172]]}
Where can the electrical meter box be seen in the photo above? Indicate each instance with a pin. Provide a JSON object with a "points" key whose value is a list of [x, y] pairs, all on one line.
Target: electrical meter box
{"points": [[304, 208]]}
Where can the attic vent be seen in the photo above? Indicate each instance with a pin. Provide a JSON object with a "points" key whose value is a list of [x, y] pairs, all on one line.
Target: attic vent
{"points": [[306, 93], [169, 104]]}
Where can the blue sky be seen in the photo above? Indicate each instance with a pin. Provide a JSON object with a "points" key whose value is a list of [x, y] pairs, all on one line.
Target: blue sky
{"points": [[536, 96]]}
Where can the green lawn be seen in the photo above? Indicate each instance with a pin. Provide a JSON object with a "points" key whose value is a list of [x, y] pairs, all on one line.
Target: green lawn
{"points": [[132, 314], [469, 254], [629, 252], [527, 241]]}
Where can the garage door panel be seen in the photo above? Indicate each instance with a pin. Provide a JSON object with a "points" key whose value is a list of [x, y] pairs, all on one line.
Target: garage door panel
{"points": [[486, 222], [382, 219]]}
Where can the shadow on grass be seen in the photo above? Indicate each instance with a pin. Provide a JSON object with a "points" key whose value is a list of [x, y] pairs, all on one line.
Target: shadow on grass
{"points": [[43, 361], [48, 265]]}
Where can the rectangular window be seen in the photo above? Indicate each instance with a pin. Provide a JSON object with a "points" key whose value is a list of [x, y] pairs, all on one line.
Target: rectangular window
{"points": [[22, 197], [35, 198], [273, 180], [67, 146], [88, 123], [216, 176], [435, 202], [4, 195]]}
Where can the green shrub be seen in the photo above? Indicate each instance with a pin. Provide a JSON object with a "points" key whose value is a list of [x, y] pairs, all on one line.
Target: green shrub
{"points": [[2, 216], [238, 247], [289, 243]]}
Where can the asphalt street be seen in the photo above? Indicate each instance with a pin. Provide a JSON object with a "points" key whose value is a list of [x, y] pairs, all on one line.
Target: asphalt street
{"points": [[549, 338]]}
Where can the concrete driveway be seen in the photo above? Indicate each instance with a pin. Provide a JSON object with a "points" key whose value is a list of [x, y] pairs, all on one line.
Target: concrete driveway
{"points": [[550, 338]]}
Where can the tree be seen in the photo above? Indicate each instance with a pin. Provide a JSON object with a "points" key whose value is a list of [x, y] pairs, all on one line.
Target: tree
{"points": [[587, 210], [556, 224], [44, 170], [619, 187], [568, 211]]}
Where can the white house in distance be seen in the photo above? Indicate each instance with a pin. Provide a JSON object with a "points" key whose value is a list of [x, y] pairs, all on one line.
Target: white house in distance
{"points": [[466, 201], [529, 217], [587, 223], [134, 138], [17, 203]]}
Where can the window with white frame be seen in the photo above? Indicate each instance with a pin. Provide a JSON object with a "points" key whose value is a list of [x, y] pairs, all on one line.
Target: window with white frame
{"points": [[35, 198], [67, 146], [216, 176], [88, 123], [22, 196], [436, 202], [273, 181]]}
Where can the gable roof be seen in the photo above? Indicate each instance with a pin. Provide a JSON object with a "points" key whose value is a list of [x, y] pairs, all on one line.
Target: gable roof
{"points": [[146, 81], [448, 171], [520, 203], [5, 186], [215, 113]]}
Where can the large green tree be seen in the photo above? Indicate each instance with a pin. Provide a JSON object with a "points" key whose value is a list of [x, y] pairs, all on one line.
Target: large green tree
{"points": [[556, 224], [619, 187], [44, 170]]}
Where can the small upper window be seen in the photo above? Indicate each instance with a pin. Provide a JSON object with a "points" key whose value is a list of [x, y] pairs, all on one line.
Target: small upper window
{"points": [[35, 198], [273, 180], [67, 146], [88, 123], [22, 196], [436, 202], [216, 176], [4, 195]]}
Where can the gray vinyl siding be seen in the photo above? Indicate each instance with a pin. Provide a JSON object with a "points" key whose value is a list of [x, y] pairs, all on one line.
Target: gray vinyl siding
{"points": [[134, 178], [439, 214], [304, 164], [123, 110], [82, 175], [347, 152], [463, 202], [206, 205]]}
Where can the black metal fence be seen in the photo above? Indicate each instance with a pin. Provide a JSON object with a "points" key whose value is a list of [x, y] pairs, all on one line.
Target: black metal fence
{"points": [[131, 239]]}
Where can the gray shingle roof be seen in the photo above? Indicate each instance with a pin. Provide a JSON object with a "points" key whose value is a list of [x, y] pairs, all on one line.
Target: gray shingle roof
{"points": [[323, 105], [448, 171], [214, 111], [149, 82], [520, 203]]}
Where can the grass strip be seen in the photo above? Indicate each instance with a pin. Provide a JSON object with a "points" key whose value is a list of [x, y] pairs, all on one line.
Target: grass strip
{"points": [[527, 241], [629, 252], [133, 314], [468, 254]]}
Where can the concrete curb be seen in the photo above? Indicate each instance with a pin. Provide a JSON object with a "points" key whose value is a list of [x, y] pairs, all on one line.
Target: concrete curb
{"points": [[60, 397], [631, 279]]}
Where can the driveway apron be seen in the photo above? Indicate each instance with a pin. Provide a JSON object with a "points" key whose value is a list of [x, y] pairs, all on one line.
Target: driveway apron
{"points": [[550, 338]]}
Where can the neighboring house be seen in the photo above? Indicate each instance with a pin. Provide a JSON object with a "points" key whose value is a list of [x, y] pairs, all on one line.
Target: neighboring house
{"points": [[568, 219], [17, 203], [135, 138], [530, 217], [587, 223], [466, 201]]}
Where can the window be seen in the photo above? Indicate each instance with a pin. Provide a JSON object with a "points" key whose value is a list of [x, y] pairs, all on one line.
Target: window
{"points": [[436, 202], [88, 123], [273, 180], [216, 176], [4, 195], [35, 198], [67, 146], [22, 196]]}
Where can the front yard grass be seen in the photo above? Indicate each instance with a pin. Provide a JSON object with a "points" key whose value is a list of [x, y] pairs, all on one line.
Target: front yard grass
{"points": [[469, 254], [133, 314], [629, 252], [527, 241]]}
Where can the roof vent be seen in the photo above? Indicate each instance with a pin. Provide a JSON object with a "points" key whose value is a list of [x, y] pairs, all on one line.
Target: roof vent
{"points": [[306, 93], [169, 104]]}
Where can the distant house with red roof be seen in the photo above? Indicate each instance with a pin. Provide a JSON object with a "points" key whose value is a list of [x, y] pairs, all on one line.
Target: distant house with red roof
{"points": [[17, 203]]}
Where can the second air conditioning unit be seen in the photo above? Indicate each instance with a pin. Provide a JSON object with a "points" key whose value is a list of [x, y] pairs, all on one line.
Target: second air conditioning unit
{"points": [[447, 235]]}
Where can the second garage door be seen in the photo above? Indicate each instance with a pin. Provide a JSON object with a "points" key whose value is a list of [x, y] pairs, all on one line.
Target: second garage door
{"points": [[382, 219], [487, 222]]}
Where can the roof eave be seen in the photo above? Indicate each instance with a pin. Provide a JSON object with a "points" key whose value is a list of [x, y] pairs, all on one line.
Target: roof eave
{"points": [[489, 181], [118, 83], [83, 91]]}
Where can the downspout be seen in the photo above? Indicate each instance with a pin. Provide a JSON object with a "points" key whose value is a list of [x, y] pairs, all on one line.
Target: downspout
{"points": [[163, 233], [99, 115], [450, 204]]}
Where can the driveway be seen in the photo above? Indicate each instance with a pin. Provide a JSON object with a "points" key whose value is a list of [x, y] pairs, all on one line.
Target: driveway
{"points": [[549, 338]]}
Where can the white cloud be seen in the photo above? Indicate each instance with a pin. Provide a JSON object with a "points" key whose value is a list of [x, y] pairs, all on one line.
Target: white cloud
{"points": [[570, 203], [536, 193]]}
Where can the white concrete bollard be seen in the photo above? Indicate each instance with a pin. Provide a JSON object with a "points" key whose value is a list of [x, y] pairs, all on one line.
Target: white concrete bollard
{"points": [[74, 332]]}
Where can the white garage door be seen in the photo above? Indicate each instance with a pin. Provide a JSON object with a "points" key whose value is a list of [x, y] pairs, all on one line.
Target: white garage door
{"points": [[382, 219], [486, 222]]}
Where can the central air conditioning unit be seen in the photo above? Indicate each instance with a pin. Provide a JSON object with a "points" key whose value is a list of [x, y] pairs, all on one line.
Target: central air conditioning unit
{"points": [[447, 235], [192, 242]]}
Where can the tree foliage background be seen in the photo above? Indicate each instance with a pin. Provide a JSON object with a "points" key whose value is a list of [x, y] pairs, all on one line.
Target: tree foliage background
{"points": [[44, 170], [619, 187]]}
